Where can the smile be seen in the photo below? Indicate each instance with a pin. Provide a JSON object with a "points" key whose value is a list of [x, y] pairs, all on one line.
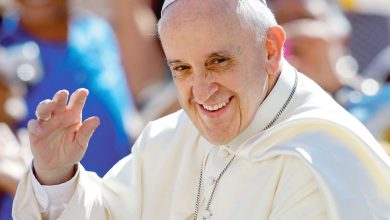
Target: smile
{"points": [[216, 107]]}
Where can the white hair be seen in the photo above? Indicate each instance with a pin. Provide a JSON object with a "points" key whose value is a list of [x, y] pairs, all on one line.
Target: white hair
{"points": [[257, 16]]}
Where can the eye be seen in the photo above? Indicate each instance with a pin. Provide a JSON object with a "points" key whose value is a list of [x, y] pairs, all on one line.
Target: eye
{"points": [[218, 60], [181, 68], [219, 63], [180, 71]]}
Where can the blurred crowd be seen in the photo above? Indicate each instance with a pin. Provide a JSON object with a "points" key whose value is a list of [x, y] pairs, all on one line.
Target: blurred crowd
{"points": [[112, 49]]}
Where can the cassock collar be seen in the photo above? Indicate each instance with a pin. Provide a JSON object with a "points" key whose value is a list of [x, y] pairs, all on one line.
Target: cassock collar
{"points": [[269, 108]]}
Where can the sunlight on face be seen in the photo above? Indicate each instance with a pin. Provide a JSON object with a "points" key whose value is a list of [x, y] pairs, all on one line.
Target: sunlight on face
{"points": [[217, 65]]}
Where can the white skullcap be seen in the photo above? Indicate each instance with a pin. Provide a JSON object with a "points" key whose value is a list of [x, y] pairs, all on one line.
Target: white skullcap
{"points": [[168, 2]]}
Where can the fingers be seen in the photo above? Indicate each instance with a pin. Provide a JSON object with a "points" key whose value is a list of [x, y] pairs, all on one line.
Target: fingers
{"points": [[45, 110], [85, 131], [34, 127], [48, 108], [60, 99], [77, 100]]}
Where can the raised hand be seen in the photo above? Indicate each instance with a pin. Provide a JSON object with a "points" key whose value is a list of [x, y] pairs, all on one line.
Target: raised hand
{"points": [[59, 137]]}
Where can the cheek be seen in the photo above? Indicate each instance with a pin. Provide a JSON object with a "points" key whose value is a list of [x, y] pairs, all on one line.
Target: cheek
{"points": [[183, 91], [253, 91]]}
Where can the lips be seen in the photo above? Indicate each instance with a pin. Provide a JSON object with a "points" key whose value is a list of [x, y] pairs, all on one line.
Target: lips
{"points": [[216, 106]]}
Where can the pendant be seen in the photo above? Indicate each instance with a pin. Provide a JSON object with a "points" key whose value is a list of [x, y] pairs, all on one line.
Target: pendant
{"points": [[206, 214]]}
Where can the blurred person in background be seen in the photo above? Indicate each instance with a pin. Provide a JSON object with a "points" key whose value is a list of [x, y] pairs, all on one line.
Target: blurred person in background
{"points": [[15, 153], [150, 80], [370, 44], [134, 23], [76, 50], [379, 68], [317, 35], [370, 36]]}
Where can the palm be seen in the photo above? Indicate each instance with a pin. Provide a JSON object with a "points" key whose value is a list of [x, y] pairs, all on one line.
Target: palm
{"points": [[61, 141], [58, 147]]}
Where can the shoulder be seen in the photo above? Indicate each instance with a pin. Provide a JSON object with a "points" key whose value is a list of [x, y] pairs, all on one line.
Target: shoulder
{"points": [[298, 194], [320, 141], [168, 131], [170, 124], [343, 167]]}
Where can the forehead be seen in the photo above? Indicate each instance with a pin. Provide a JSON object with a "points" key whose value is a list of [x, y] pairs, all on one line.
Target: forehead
{"points": [[212, 25], [210, 12]]}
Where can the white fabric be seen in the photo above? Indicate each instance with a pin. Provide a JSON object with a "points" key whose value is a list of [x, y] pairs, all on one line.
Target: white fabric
{"points": [[316, 162], [52, 199]]}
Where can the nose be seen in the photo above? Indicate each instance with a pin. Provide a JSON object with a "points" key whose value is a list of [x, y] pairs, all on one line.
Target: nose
{"points": [[203, 87]]}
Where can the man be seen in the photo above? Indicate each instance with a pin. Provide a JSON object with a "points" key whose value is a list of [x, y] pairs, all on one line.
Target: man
{"points": [[256, 139]]}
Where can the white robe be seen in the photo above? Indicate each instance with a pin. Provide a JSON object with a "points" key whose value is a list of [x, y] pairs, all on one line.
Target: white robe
{"points": [[316, 162]]}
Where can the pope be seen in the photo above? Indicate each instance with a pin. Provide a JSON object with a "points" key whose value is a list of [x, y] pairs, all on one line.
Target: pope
{"points": [[255, 139]]}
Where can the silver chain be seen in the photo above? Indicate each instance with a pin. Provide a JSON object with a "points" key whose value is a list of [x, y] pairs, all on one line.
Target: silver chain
{"points": [[284, 105], [231, 160], [212, 192]]}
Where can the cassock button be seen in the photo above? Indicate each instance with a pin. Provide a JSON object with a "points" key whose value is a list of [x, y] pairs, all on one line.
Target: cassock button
{"points": [[211, 180], [223, 153]]}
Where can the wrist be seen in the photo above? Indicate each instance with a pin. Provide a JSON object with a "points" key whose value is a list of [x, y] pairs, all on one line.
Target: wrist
{"points": [[54, 176]]}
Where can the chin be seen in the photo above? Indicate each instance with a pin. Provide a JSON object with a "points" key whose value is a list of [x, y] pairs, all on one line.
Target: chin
{"points": [[218, 139]]}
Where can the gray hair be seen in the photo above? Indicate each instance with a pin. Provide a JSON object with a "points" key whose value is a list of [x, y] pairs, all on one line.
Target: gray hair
{"points": [[257, 16]]}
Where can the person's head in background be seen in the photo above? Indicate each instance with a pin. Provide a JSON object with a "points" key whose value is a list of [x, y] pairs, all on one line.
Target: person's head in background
{"points": [[45, 19], [317, 32]]}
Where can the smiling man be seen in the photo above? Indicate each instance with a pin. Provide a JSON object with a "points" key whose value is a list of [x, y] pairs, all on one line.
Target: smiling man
{"points": [[255, 139], [223, 78]]}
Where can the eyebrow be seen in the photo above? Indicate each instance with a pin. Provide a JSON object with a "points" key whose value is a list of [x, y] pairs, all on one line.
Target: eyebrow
{"points": [[214, 54], [229, 53], [172, 62], [218, 54]]}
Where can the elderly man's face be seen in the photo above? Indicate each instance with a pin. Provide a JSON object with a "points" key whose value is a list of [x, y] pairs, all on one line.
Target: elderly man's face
{"points": [[217, 65]]}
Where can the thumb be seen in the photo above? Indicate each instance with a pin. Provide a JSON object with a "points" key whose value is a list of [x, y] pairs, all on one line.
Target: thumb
{"points": [[86, 130]]}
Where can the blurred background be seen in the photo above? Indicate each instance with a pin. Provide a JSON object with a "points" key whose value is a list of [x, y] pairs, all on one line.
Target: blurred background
{"points": [[111, 48]]}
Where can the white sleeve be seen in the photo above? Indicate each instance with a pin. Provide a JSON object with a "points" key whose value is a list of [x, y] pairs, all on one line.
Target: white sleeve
{"points": [[52, 200], [86, 196]]}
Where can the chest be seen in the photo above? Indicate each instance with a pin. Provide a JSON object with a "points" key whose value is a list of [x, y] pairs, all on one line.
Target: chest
{"points": [[245, 190]]}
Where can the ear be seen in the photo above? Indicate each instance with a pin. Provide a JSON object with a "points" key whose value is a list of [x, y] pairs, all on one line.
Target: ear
{"points": [[274, 45]]}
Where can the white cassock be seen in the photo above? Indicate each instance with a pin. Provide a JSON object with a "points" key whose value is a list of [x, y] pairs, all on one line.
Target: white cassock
{"points": [[315, 162]]}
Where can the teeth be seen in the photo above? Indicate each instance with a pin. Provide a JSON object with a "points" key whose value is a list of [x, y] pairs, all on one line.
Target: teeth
{"points": [[217, 106]]}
